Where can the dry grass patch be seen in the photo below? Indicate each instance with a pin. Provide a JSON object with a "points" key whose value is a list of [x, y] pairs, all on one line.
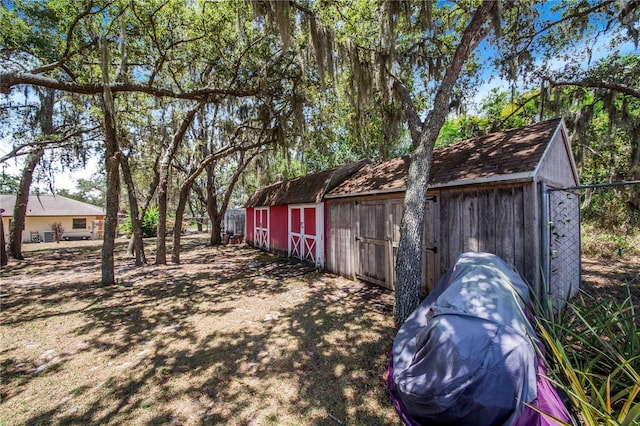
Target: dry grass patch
{"points": [[230, 336]]}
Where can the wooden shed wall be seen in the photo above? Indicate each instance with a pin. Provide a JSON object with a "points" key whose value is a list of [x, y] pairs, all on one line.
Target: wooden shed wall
{"points": [[279, 230], [249, 226], [556, 168], [503, 220], [362, 235], [500, 219]]}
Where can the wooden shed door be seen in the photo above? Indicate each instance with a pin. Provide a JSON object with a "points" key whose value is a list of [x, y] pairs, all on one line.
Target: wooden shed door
{"points": [[261, 221], [377, 240], [303, 233]]}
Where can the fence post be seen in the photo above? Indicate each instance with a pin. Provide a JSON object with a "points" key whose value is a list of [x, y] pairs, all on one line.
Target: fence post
{"points": [[544, 243]]}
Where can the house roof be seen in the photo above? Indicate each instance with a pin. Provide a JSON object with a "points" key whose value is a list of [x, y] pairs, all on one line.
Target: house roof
{"points": [[509, 155], [310, 188], [50, 205]]}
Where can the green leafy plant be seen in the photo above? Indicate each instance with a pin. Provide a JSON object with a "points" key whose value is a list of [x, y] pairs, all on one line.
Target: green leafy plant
{"points": [[149, 224], [593, 352]]}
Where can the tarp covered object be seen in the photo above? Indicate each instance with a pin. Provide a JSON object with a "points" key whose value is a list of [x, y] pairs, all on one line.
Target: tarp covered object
{"points": [[466, 355]]}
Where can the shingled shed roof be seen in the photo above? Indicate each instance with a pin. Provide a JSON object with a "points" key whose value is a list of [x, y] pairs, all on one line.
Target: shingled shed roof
{"points": [[512, 154], [310, 188]]}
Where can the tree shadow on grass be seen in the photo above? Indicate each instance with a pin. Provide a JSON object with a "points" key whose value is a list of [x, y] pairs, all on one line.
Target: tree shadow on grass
{"points": [[230, 336]]}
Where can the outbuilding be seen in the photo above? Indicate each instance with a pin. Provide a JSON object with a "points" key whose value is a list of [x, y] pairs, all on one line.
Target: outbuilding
{"points": [[487, 194], [288, 217]]}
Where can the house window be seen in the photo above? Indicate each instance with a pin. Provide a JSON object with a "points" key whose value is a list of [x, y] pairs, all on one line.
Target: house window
{"points": [[79, 223]]}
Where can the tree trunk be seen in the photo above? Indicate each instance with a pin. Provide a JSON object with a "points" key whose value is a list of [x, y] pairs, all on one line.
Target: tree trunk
{"points": [[212, 207], [112, 166], [136, 237], [163, 184], [16, 228], [177, 226], [3, 248], [409, 259], [161, 242]]}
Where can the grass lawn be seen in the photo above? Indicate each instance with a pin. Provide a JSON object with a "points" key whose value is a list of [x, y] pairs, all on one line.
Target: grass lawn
{"points": [[230, 336]]}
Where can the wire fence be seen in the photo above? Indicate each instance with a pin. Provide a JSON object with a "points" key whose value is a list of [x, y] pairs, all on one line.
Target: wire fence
{"points": [[564, 251]]}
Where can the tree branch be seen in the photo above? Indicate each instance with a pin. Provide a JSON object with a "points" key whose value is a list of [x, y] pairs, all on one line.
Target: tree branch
{"points": [[413, 119], [16, 151], [8, 80], [577, 14], [597, 84]]}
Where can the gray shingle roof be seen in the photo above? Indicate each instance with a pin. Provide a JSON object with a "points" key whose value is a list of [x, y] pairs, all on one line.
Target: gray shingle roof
{"points": [[51, 205]]}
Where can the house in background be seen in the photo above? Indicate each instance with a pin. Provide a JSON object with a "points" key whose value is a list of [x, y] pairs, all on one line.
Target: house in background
{"points": [[79, 220], [486, 194]]}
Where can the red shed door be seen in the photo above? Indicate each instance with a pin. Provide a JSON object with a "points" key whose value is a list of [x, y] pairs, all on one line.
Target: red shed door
{"points": [[305, 223], [261, 221]]}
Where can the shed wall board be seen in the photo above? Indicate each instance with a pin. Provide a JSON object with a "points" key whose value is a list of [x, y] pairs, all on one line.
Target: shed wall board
{"points": [[532, 233], [490, 219], [340, 239], [278, 229], [557, 167], [249, 225], [564, 239]]}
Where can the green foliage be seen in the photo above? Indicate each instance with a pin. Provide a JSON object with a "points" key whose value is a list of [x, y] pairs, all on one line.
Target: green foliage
{"points": [[608, 244], [149, 224], [9, 184], [461, 128], [593, 352]]}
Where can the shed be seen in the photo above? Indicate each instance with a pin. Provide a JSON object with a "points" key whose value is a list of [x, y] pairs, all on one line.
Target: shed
{"points": [[486, 194], [288, 218]]}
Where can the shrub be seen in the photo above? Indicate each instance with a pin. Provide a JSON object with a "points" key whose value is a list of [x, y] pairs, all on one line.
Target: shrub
{"points": [[593, 352], [149, 224], [58, 231]]}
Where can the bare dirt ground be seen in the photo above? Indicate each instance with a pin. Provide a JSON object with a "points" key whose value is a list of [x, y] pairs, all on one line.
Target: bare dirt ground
{"points": [[232, 335]]}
